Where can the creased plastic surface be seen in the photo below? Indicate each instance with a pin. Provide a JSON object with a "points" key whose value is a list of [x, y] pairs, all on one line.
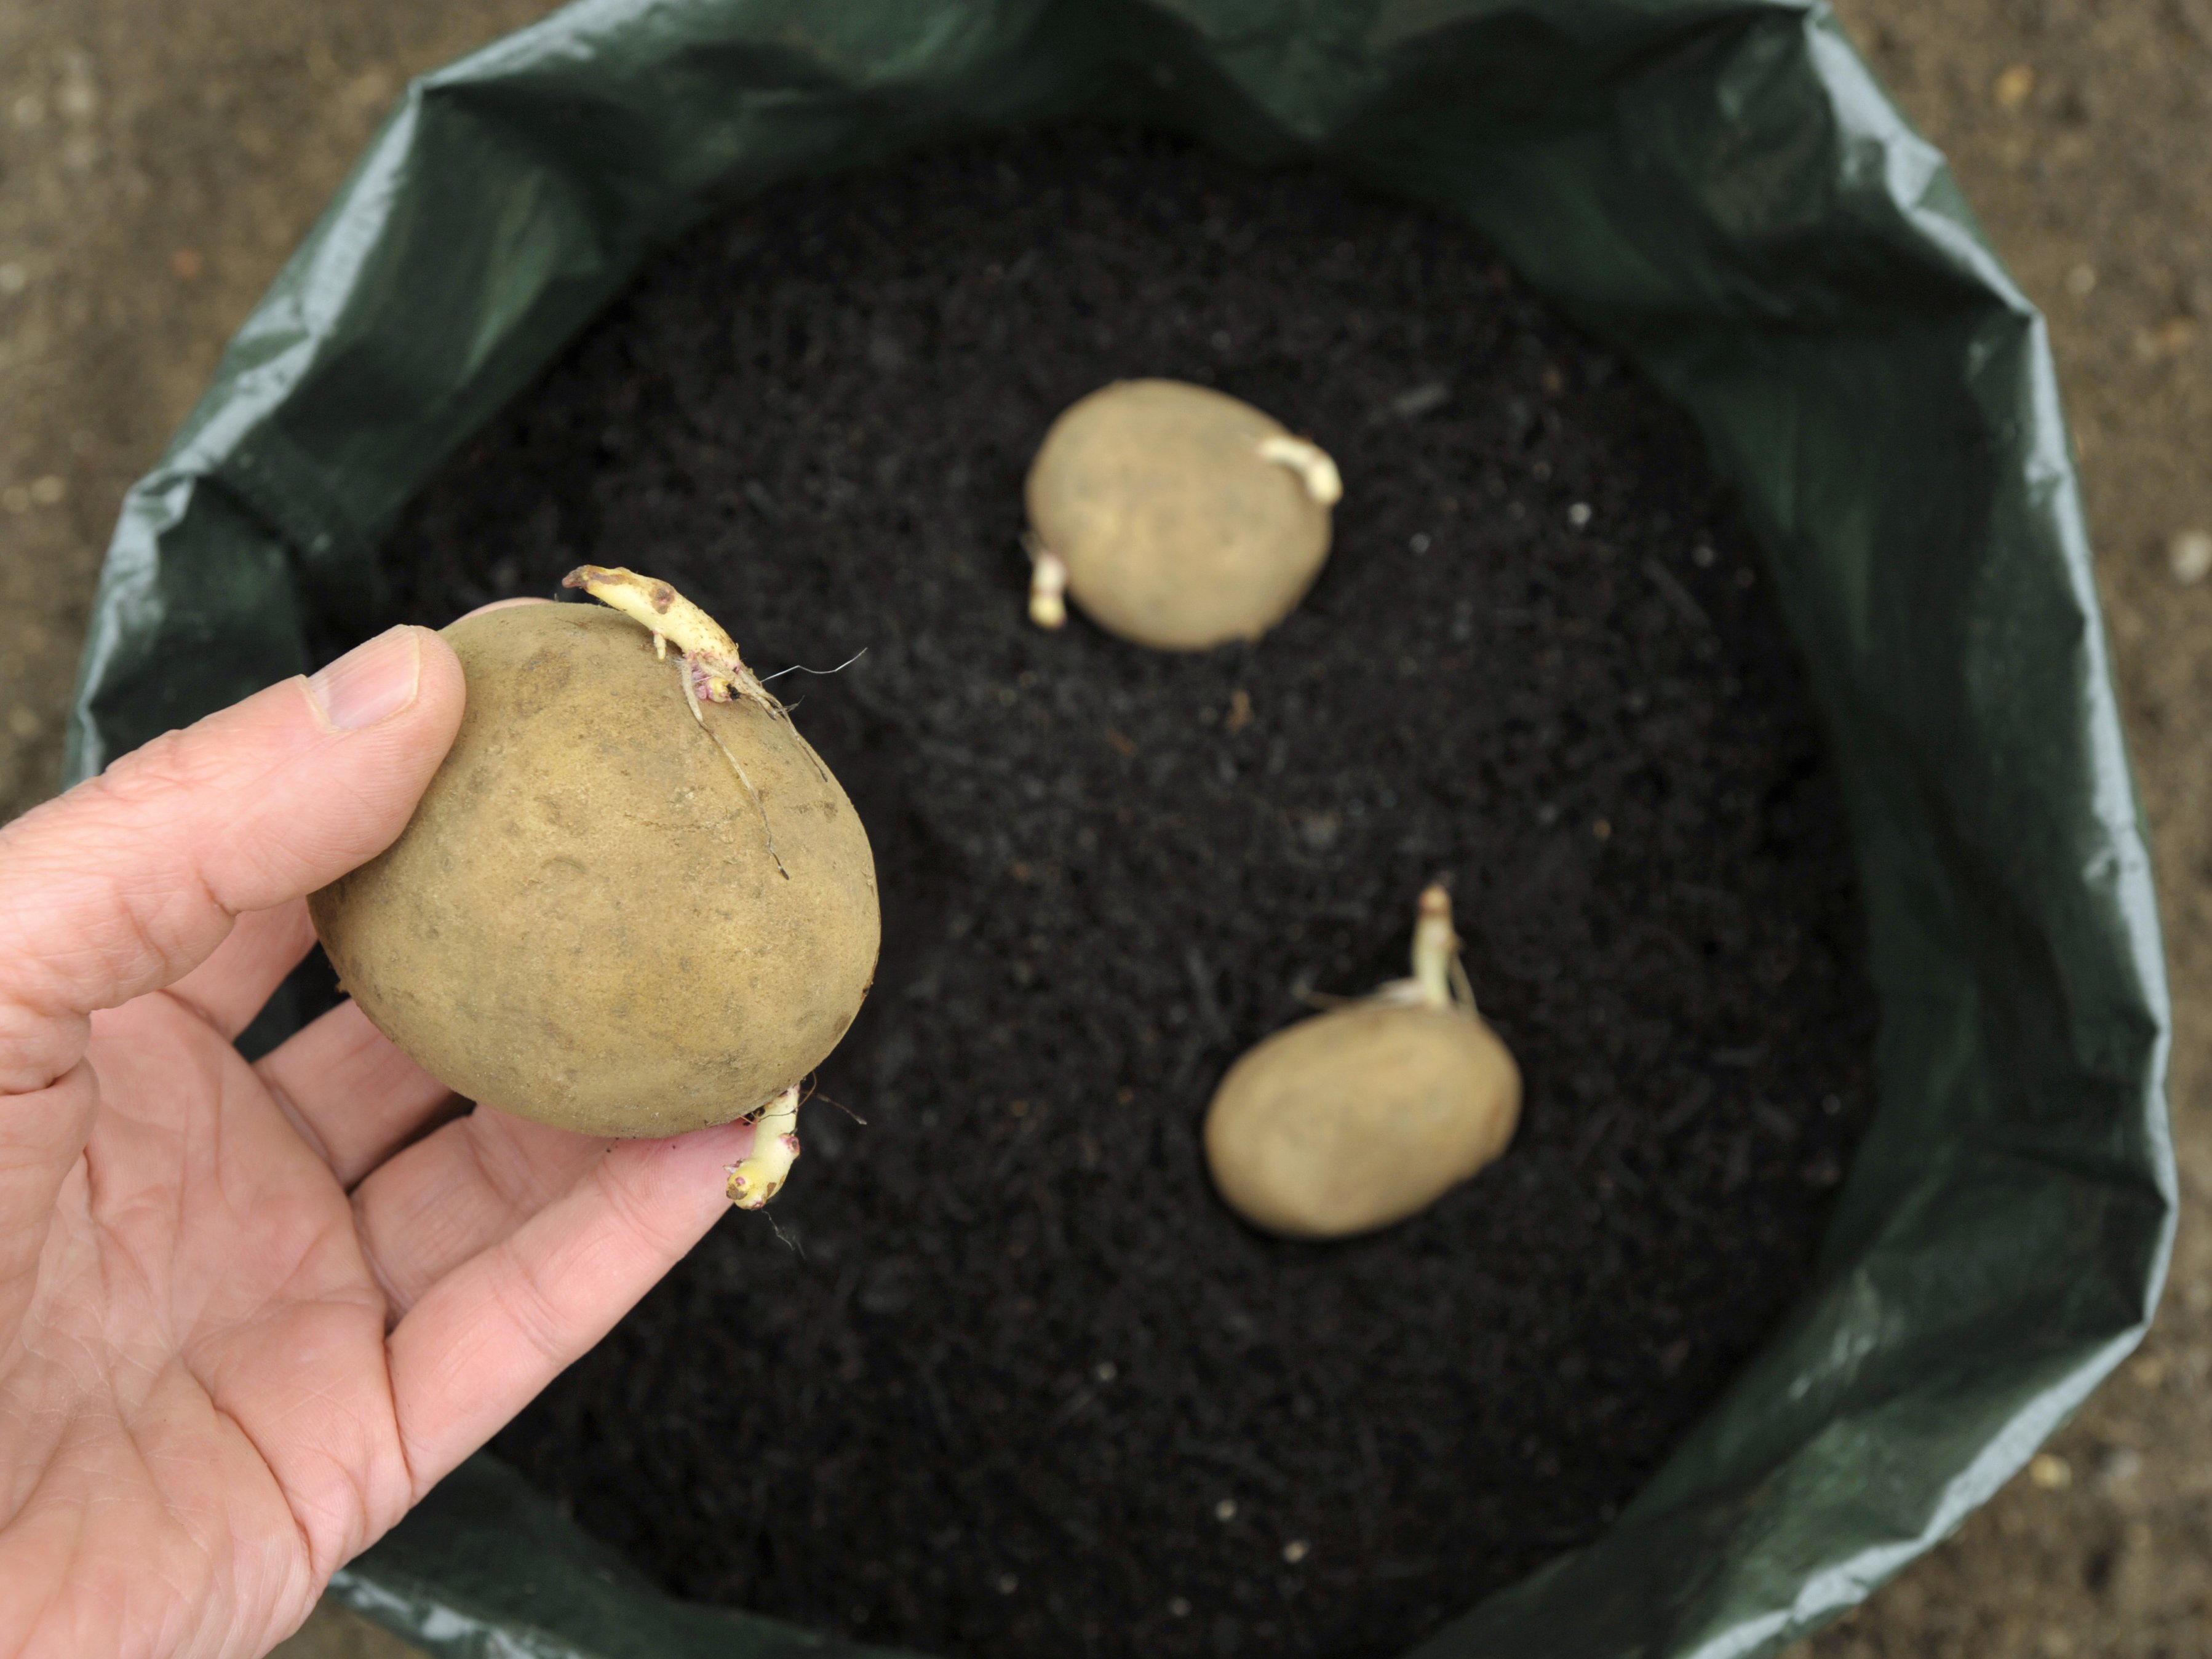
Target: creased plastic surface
{"points": [[1719, 187]]}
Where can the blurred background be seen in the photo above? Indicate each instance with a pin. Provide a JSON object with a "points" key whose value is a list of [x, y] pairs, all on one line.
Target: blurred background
{"points": [[158, 161]]}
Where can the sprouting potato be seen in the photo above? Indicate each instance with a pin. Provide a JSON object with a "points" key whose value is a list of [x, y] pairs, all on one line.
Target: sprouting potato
{"points": [[1176, 516], [633, 900], [1369, 1113]]}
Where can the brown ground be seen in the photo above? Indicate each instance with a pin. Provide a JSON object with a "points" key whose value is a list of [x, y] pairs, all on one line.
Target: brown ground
{"points": [[157, 161]]}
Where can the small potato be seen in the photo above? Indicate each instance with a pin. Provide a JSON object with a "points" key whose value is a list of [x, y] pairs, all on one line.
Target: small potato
{"points": [[1176, 516], [1368, 1113], [593, 920], [1360, 1117]]}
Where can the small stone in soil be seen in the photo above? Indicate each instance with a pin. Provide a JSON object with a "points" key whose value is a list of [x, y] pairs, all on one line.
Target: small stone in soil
{"points": [[2189, 555]]}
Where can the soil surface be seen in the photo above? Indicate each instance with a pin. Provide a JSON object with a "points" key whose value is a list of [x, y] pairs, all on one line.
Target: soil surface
{"points": [[1008, 1374]]}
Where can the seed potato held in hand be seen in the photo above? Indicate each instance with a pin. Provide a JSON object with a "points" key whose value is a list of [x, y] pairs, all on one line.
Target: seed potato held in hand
{"points": [[1369, 1113], [1176, 516], [633, 900]]}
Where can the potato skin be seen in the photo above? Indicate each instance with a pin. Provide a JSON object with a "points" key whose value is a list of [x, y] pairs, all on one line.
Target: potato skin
{"points": [[1360, 1117], [1175, 533], [582, 924]]}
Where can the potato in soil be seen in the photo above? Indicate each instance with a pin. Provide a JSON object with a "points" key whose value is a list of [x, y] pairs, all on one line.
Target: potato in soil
{"points": [[1359, 1117], [585, 923], [1368, 1113], [1176, 516]]}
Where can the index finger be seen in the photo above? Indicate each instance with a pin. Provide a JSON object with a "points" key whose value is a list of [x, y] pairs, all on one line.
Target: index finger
{"points": [[129, 881]]}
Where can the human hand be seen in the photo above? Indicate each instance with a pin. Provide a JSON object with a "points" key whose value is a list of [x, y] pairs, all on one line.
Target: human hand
{"points": [[249, 1315]]}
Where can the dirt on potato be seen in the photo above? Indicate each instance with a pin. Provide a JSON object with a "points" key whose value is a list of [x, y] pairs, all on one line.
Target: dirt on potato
{"points": [[1011, 1375]]}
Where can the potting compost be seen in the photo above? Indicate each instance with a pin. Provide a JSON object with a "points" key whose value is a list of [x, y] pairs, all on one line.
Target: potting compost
{"points": [[1004, 1375]]}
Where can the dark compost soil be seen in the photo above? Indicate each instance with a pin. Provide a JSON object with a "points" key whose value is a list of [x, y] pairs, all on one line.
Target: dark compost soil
{"points": [[1023, 1384]]}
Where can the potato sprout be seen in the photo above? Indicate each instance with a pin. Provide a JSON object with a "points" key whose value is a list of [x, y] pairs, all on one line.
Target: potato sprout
{"points": [[1369, 1113], [1176, 516], [633, 900]]}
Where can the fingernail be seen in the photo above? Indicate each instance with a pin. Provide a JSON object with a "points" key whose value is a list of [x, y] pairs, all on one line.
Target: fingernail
{"points": [[370, 683]]}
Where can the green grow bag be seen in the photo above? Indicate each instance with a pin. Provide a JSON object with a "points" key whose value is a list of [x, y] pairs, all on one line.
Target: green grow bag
{"points": [[1718, 187]]}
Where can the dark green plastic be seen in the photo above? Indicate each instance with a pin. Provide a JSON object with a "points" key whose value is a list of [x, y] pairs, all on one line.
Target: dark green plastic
{"points": [[1720, 188]]}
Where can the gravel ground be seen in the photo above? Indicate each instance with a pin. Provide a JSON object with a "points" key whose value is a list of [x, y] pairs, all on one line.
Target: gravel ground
{"points": [[157, 163]]}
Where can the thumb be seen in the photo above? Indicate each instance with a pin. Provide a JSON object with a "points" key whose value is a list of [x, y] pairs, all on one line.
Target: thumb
{"points": [[130, 880]]}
